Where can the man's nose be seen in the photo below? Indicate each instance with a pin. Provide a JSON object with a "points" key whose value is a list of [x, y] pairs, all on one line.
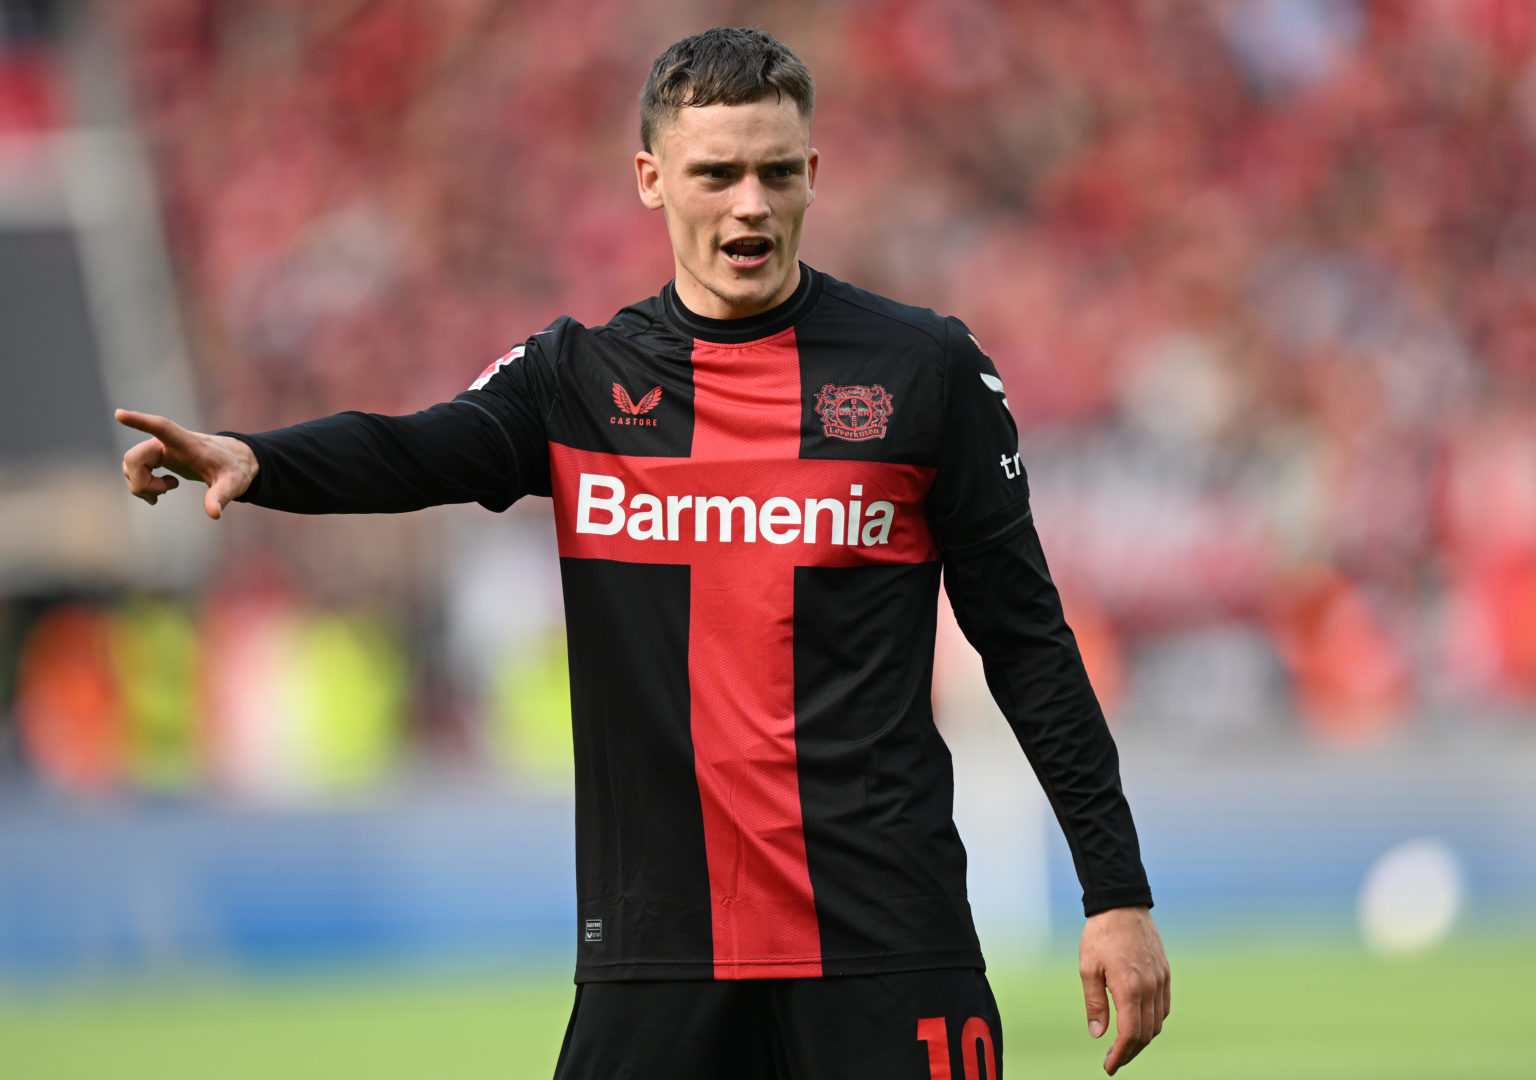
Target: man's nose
{"points": [[751, 199]]}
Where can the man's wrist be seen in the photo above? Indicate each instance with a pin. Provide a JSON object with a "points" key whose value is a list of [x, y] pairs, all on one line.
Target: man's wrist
{"points": [[247, 462]]}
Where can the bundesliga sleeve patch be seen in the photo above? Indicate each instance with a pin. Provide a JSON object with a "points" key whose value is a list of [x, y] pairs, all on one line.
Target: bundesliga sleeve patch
{"points": [[485, 376], [853, 413]]}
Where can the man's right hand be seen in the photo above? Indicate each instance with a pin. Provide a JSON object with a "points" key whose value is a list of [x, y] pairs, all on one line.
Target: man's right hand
{"points": [[226, 465]]}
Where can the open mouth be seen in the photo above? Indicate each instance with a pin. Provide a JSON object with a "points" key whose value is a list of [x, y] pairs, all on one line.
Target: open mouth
{"points": [[750, 250]]}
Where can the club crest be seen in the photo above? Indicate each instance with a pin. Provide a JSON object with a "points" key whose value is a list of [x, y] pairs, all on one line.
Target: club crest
{"points": [[853, 413]]}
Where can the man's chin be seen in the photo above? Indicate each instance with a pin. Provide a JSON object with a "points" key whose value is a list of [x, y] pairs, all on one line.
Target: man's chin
{"points": [[750, 295], [744, 302]]}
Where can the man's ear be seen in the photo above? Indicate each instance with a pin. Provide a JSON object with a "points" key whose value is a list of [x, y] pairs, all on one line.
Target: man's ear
{"points": [[811, 163], [648, 179]]}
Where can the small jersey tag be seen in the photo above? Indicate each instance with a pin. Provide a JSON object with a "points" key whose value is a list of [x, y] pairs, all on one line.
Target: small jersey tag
{"points": [[592, 930]]}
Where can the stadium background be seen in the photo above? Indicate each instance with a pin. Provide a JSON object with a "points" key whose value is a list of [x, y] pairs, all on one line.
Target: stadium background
{"points": [[290, 795]]}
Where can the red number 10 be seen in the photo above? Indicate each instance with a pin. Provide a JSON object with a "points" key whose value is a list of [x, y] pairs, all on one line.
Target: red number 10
{"points": [[935, 1033]]}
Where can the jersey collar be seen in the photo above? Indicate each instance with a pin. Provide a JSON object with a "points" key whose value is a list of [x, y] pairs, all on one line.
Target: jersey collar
{"points": [[752, 328]]}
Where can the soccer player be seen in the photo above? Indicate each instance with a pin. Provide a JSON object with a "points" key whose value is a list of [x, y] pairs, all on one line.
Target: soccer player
{"points": [[757, 477]]}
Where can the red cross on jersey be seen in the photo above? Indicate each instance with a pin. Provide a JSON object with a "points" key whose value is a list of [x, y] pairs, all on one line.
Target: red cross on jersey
{"points": [[741, 512]]}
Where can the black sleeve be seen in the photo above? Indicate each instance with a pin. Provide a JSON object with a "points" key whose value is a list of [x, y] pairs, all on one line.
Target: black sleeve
{"points": [[1008, 608], [488, 446]]}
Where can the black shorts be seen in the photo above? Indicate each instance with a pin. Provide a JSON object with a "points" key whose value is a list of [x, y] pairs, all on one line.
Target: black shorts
{"points": [[911, 1025]]}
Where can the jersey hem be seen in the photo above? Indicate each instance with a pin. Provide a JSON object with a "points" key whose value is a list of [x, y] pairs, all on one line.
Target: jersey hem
{"points": [[694, 970]]}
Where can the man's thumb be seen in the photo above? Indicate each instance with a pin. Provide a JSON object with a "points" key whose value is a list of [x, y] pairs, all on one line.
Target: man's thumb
{"points": [[1097, 1001], [215, 499]]}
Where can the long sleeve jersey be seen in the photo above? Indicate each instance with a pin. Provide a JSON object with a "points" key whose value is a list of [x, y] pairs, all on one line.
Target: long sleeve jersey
{"points": [[753, 516]]}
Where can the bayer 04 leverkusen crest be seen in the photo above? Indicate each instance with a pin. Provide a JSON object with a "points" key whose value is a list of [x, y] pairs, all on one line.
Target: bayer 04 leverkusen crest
{"points": [[854, 413]]}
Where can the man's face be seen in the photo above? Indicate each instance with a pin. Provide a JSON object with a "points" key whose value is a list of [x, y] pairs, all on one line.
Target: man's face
{"points": [[734, 182]]}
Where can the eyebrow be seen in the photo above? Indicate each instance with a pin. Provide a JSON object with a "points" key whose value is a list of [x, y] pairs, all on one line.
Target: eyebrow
{"points": [[796, 164]]}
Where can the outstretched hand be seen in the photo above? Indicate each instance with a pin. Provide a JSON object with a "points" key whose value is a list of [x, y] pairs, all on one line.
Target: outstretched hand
{"points": [[1122, 953], [226, 465]]}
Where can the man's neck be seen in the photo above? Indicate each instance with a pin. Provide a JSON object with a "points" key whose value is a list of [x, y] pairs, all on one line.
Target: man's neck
{"points": [[747, 327], [705, 304]]}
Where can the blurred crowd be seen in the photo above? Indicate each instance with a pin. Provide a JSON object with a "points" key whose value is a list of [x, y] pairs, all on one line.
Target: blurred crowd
{"points": [[29, 83], [1260, 278]]}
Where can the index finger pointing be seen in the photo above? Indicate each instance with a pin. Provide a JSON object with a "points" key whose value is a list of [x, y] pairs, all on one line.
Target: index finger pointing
{"points": [[148, 423]]}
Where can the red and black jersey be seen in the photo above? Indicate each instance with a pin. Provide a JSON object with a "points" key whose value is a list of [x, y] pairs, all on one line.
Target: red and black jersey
{"points": [[752, 517]]}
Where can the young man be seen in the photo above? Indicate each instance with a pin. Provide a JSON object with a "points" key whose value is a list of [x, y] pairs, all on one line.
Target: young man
{"points": [[757, 477]]}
